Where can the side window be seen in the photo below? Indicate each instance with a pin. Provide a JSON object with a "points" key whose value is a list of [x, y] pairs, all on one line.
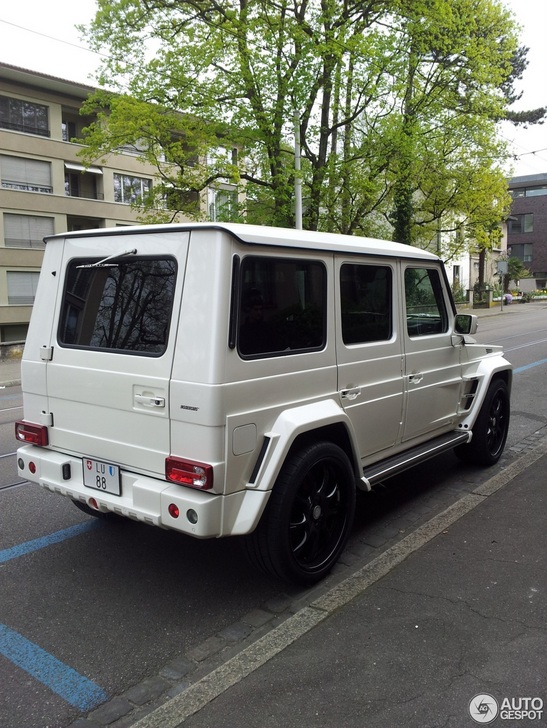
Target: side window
{"points": [[124, 306], [366, 303], [282, 306], [425, 306]]}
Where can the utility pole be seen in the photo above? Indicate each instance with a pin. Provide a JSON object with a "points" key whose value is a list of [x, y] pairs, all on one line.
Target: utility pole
{"points": [[297, 179]]}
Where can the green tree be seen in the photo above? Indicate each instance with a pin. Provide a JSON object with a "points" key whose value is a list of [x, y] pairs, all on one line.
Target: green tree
{"points": [[249, 65], [515, 271], [454, 58], [396, 103]]}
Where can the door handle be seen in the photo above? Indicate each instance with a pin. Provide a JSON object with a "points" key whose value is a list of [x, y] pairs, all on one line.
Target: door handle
{"points": [[147, 401], [415, 378], [351, 393]]}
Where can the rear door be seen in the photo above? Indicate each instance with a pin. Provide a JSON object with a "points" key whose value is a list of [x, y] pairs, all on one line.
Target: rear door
{"points": [[108, 365], [369, 354]]}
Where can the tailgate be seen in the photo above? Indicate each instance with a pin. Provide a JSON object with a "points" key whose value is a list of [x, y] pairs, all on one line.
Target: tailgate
{"points": [[108, 364]]}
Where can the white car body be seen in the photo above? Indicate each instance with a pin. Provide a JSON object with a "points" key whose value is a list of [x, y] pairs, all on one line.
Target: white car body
{"points": [[352, 362]]}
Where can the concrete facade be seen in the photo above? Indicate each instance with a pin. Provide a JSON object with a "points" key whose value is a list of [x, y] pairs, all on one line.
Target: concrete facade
{"points": [[44, 188]]}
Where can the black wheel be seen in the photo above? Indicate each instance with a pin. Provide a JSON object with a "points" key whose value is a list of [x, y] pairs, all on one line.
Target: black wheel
{"points": [[490, 430], [309, 515]]}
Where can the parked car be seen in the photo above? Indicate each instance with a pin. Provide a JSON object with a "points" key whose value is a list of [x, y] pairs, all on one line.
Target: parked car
{"points": [[236, 380]]}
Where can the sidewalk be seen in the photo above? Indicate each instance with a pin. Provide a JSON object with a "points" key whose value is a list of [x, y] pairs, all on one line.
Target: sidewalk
{"points": [[446, 625]]}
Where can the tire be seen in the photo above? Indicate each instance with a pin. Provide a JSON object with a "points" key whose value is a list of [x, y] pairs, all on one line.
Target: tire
{"points": [[490, 429], [309, 516]]}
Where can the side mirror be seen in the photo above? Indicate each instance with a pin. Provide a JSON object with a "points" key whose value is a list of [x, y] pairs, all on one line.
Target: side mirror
{"points": [[466, 324]]}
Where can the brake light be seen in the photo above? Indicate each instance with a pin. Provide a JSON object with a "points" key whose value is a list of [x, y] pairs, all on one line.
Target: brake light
{"points": [[190, 473], [31, 434]]}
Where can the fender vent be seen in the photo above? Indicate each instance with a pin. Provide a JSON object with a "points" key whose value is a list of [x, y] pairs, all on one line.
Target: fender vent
{"points": [[260, 459]]}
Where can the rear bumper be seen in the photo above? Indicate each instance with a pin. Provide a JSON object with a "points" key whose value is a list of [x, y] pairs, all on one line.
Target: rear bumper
{"points": [[146, 499]]}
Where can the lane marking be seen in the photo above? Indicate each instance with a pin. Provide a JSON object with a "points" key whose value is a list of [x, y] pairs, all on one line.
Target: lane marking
{"points": [[524, 368], [63, 680], [39, 543]]}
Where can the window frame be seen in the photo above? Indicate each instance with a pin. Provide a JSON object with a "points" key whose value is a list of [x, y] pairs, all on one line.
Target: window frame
{"points": [[32, 229], [16, 108], [119, 185], [31, 284]]}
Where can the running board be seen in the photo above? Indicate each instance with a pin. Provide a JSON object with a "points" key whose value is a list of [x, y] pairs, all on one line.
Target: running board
{"points": [[397, 463]]}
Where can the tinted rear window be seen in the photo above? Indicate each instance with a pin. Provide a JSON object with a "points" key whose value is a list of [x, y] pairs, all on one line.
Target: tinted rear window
{"points": [[124, 306], [283, 306]]}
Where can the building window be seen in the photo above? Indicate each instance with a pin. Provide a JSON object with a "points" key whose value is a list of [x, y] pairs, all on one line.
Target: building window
{"points": [[130, 190], [68, 130], [521, 223], [222, 204], [26, 231], [536, 191], [19, 115], [18, 173], [22, 287], [522, 252]]}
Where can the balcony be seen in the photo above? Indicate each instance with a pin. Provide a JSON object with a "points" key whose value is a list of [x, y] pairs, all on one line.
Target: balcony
{"points": [[83, 182]]}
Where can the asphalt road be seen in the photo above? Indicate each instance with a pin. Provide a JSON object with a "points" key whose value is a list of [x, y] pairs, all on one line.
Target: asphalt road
{"points": [[91, 610]]}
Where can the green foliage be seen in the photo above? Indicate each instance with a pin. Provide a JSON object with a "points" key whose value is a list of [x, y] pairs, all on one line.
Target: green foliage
{"points": [[396, 103], [458, 292], [515, 271]]}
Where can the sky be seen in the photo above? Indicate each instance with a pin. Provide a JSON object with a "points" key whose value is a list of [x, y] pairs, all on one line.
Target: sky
{"points": [[40, 35]]}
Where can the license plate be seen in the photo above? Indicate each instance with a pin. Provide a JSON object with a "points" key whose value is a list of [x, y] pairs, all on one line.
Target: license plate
{"points": [[102, 476]]}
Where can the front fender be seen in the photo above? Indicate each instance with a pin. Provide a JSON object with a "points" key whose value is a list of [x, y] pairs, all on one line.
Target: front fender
{"points": [[485, 370]]}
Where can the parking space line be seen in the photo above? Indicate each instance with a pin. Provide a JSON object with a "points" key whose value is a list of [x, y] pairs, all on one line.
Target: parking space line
{"points": [[39, 543], [518, 370], [63, 680]]}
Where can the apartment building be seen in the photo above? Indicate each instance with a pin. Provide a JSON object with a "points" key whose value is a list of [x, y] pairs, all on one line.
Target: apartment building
{"points": [[527, 226], [45, 189]]}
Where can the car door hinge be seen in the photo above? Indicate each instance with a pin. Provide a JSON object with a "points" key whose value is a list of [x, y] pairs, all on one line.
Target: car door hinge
{"points": [[46, 353], [46, 419]]}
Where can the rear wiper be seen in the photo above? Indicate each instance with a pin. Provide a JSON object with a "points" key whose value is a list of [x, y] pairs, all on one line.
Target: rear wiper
{"points": [[104, 262]]}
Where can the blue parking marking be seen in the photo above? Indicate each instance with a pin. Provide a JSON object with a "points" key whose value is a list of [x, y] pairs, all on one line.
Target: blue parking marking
{"points": [[76, 689], [529, 366], [39, 543]]}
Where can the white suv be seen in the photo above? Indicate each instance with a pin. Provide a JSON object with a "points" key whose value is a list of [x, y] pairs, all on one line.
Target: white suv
{"points": [[225, 380]]}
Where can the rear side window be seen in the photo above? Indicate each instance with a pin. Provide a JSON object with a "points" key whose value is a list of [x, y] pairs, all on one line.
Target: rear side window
{"points": [[122, 306], [282, 306], [365, 297]]}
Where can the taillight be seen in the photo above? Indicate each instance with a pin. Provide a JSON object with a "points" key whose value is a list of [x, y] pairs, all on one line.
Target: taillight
{"points": [[190, 473], [31, 434]]}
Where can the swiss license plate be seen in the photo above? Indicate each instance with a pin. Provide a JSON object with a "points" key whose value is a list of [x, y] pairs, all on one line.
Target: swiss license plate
{"points": [[102, 476]]}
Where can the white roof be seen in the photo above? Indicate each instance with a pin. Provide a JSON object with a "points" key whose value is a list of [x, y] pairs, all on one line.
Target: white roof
{"points": [[272, 236]]}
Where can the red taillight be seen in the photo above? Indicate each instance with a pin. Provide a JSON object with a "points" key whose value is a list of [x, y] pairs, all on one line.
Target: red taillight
{"points": [[31, 434], [188, 472]]}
